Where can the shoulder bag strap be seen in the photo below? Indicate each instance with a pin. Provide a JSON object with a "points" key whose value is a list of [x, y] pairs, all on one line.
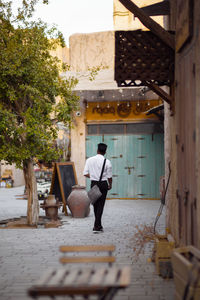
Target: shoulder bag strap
{"points": [[102, 169]]}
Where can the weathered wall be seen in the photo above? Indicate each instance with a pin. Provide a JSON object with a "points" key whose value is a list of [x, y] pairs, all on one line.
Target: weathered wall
{"points": [[78, 146], [91, 50], [172, 221], [88, 51], [124, 19], [18, 175], [62, 54], [197, 87], [170, 163], [103, 80], [183, 198]]}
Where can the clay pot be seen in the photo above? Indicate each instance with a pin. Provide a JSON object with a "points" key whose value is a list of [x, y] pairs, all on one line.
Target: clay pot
{"points": [[51, 207], [78, 202], [52, 212], [50, 200]]}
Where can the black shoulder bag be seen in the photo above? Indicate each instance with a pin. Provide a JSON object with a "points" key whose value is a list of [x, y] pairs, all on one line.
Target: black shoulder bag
{"points": [[94, 193]]}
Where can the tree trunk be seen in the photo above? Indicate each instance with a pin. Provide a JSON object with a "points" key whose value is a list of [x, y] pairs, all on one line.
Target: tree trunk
{"points": [[31, 189]]}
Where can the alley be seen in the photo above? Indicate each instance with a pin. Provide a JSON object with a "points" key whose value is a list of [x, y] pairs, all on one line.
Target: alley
{"points": [[26, 253]]}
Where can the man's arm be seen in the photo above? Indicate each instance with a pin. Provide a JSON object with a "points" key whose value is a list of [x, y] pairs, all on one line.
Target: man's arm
{"points": [[86, 170], [87, 175], [110, 183], [109, 175]]}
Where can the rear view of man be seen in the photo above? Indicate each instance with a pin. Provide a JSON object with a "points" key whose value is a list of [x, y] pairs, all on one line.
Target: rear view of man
{"points": [[92, 170]]}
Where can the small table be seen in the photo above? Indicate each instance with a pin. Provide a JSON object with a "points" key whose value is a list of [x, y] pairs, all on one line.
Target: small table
{"points": [[104, 282]]}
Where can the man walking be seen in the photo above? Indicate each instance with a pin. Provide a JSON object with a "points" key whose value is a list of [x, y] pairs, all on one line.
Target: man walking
{"points": [[92, 170]]}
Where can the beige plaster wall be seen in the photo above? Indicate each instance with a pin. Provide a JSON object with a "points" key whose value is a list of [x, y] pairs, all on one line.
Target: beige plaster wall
{"points": [[103, 80], [78, 146], [88, 51], [94, 50], [18, 175], [170, 157], [91, 50], [62, 54], [124, 19]]}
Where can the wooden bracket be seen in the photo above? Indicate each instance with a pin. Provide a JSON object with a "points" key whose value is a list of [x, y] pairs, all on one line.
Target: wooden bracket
{"points": [[161, 93], [147, 21]]}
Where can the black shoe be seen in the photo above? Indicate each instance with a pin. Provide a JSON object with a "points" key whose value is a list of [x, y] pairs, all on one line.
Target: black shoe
{"points": [[98, 229]]}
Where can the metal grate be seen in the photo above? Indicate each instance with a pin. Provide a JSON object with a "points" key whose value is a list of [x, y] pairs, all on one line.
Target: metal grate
{"points": [[141, 56]]}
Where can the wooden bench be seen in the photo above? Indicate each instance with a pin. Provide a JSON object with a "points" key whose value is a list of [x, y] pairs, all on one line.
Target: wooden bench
{"points": [[83, 280], [103, 282], [76, 254]]}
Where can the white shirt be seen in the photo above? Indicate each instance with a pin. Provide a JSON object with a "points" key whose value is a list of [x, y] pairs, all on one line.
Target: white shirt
{"points": [[93, 167]]}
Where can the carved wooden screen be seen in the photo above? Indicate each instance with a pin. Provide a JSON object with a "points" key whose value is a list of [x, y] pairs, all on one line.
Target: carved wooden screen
{"points": [[141, 56]]}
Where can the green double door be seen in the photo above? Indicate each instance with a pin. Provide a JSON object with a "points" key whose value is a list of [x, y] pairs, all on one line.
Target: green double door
{"points": [[137, 163]]}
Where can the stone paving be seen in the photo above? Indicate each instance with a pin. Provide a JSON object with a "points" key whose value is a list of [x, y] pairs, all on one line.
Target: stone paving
{"points": [[26, 253]]}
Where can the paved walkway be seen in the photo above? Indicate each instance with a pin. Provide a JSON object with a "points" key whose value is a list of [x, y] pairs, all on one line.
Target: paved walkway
{"points": [[26, 253]]}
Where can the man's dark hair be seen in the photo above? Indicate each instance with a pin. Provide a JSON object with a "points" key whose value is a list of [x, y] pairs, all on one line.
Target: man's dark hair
{"points": [[102, 148]]}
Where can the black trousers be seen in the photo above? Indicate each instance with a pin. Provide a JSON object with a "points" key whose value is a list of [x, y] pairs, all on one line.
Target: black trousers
{"points": [[99, 204]]}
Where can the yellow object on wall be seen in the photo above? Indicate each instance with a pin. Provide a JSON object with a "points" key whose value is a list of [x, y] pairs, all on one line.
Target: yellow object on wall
{"points": [[120, 111]]}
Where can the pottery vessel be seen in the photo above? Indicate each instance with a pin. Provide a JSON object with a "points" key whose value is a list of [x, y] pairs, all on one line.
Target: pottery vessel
{"points": [[51, 207], [78, 202], [50, 200]]}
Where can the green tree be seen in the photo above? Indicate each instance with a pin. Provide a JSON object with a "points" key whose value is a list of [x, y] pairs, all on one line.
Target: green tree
{"points": [[31, 83]]}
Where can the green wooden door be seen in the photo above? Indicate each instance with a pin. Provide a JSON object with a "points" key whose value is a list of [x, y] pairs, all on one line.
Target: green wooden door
{"points": [[137, 161]]}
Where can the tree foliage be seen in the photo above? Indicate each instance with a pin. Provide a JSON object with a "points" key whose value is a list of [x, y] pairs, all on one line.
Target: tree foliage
{"points": [[31, 83]]}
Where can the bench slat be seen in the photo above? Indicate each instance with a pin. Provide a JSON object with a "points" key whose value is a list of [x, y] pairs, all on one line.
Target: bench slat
{"points": [[111, 278], [97, 277], [71, 278], [87, 259], [83, 277], [87, 248], [46, 277], [125, 276], [58, 277]]}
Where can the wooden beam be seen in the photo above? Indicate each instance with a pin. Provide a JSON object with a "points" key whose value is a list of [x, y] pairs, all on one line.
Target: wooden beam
{"points": [[158, 30], [160, 92], [158, 9]]}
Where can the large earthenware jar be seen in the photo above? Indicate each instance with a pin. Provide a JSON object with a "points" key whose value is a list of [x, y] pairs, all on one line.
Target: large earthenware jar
{"points": [[78, 202]]}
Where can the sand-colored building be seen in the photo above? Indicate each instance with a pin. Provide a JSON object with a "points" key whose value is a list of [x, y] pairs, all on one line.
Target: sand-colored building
{"points": [[116, 116]]}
